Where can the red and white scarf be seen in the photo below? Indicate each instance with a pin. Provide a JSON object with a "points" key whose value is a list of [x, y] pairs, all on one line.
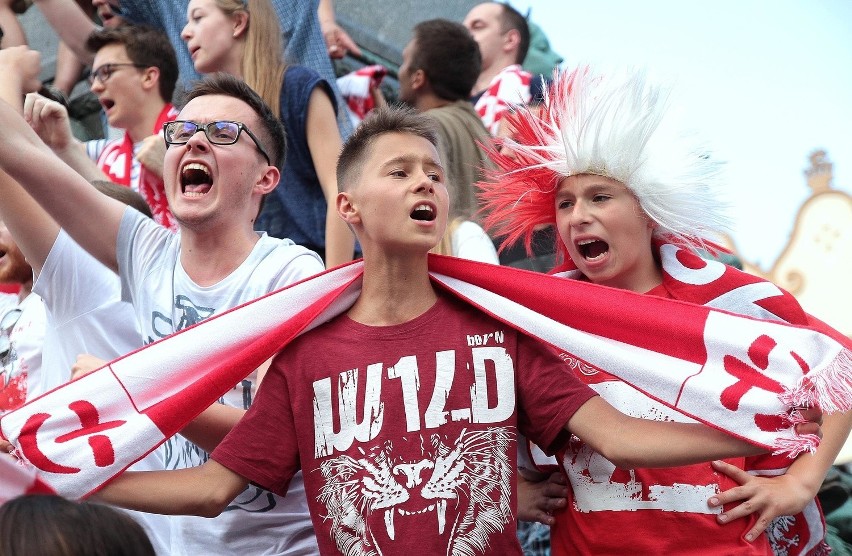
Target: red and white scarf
{"points": [[510, 87], [82, 434], [688, 277], [357, 89], [116, 162], [18, 480]]}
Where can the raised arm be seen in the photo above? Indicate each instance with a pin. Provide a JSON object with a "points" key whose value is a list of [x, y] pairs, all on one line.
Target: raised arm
{"points": [[50, 121], [90, 217], [629, 442], [33, 229], [337, 40], [324, 143], [71, 24], [203, 490]]}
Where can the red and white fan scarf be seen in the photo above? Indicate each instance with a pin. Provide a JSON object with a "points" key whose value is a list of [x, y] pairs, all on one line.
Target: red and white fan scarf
{"points": [[689, 357], [510, 87], [116, 161], [356, 88], [688, 277], [17, 480]]}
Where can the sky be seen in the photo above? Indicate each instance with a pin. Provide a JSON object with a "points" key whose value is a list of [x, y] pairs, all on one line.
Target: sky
{"points": [[765, 83]]}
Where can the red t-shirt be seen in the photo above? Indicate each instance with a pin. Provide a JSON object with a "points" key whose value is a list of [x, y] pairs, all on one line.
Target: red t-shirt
{"points": [[406, 435], [643, 511]]}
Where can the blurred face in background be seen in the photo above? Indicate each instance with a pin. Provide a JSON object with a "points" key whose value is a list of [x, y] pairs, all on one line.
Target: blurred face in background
{"points": [[14, 269], [484, 21], [213, 37], [118, 85], [108, 11]]}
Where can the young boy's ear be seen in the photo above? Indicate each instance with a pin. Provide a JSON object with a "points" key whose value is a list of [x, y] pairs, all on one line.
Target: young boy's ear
{"points": [[346, 209]]}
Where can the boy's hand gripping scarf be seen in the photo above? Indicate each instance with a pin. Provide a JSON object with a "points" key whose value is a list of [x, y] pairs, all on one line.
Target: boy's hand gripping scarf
{"points": [[734, 373]]}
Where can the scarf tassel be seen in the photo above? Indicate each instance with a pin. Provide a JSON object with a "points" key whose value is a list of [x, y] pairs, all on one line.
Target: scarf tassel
{"points": [[792, 447], [829, 388]]}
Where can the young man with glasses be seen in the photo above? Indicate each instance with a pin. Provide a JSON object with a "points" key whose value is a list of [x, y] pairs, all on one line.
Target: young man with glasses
{"points": [[215, 262], [133, 76]]}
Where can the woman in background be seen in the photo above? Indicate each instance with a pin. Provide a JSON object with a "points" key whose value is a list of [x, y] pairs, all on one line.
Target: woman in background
{"points": [[243, 38]]}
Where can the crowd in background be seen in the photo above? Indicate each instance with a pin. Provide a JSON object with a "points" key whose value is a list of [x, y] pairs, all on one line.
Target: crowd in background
{"points": [[90, 280]]}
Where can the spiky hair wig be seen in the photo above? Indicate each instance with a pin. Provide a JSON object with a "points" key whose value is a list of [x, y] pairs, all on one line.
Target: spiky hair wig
{"points": [[615, 125]]}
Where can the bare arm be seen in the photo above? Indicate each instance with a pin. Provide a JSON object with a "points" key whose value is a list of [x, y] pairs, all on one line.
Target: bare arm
{"points": [[204, 490], [33, 229], [90, 217], [71, 24], [786, 494], [50, 121], [324, 143], [208, 429], [629, 442], [337, 40], [13, 31]]}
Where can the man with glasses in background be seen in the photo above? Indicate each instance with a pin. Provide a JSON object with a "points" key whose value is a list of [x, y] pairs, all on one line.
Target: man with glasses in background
{"points": [[225, 153], [133, 76]]}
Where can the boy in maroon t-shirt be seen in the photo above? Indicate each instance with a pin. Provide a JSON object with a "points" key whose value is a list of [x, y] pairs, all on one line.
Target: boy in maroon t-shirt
{"points": [[404, 428]]}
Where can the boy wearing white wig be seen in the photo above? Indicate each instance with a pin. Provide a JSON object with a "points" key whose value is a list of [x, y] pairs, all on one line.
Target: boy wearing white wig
{"points": [[632, 199]]}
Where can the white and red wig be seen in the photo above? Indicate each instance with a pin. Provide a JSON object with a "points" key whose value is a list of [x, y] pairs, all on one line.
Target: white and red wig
{"points": [[616, 125]]}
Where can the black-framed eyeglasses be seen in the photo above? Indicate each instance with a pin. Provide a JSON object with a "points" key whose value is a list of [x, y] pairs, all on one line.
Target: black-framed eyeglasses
{"points": [[220, 132], [104, 72]]}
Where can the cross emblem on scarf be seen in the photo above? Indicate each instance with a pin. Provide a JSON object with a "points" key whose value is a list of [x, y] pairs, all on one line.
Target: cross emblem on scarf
{"points": [[90, 428]]}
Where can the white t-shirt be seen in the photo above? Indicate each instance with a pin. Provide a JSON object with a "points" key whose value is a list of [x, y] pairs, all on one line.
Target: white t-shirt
{"points": [[22, 328], [166, 300], [471, 242], [85, 314]]}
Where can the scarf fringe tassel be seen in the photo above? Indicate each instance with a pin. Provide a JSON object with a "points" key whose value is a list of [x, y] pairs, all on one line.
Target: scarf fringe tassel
{"points": [[792, 447], [829, 388]]}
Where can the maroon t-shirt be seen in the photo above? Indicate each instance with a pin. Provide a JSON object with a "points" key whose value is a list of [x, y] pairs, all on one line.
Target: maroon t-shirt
{"points": [[406, 434]]}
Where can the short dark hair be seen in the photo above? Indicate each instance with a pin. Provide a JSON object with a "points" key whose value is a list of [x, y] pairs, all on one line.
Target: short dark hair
{"points": [[448, 55], [271, 134], [49, 524], [146, 47], [390, 119], [510, 18], [123, 194]]}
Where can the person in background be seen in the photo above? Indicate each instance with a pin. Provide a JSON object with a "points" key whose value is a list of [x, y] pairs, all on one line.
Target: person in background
{"points": [[307, 24], [11, 31], [47, 524], [134, 77], [22, 325], [503, 37], [467, 240], [86, 318], [223, 156], [439, 67], [630, 195], [243, 39]]}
